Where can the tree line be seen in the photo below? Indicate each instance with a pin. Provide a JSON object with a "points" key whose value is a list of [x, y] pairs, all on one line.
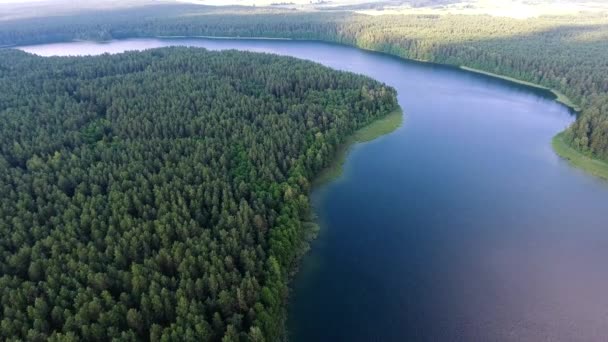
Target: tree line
{"points": [[161, 195]]}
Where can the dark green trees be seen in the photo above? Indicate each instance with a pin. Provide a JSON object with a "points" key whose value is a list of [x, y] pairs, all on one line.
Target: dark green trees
{"points": [[567, 53], [160, 195]]}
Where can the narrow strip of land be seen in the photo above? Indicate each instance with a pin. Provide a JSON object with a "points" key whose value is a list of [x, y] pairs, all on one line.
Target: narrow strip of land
{"points": [[559, 96], [594, 166]]}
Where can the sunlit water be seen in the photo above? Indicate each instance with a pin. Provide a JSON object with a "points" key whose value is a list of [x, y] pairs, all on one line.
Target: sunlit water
{"points": [[462, 225]]}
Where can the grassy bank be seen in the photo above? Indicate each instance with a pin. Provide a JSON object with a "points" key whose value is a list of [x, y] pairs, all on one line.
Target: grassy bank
{"points": [[370, 132], [559, 97], [594, 166]]}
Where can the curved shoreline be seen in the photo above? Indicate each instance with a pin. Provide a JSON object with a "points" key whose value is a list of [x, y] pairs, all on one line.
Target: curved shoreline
{"points": [[561, 98], [575, 158], [375, 129], [311, 227]]}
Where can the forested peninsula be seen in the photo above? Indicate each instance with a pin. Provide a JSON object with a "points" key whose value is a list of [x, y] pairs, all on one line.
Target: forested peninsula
{"points": [[162, 195], [564, 53]]}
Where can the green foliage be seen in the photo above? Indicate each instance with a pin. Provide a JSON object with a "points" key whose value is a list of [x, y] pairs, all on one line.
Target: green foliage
{"points": [[160, 195], [596, 167], [564, 53]]}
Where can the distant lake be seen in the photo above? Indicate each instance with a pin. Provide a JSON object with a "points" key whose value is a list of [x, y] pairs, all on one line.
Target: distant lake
{"points": [[462, 225]]}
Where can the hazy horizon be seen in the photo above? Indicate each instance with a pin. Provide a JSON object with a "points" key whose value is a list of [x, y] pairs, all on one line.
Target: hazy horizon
{"points": [[15, 9]]}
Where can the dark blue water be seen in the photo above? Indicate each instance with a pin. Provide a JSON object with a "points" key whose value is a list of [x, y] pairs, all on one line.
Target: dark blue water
{"points": [[462, 225]]}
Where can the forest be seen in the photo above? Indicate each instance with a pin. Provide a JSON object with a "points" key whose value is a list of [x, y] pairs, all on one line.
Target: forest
{"points": [[566, 53], [162, 195]]}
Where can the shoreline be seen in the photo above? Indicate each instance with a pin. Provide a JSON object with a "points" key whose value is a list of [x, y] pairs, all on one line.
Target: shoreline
{"points": [[375, 129], [326, 174], [312, 226], [559, 97], [595, 167]]}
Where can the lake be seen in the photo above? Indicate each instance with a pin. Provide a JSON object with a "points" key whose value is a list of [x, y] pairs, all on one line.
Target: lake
{"points": [[462, 225]]}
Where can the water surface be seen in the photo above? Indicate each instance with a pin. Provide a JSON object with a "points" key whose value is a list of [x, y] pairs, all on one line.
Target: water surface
{"points": [[462, 225]]}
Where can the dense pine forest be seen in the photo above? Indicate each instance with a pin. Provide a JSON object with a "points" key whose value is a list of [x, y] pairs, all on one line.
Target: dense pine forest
{"points": [[162, 195], [566, 53]]}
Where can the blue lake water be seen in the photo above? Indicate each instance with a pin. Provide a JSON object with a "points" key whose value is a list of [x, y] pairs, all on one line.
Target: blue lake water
{"points": [[462, 225]]}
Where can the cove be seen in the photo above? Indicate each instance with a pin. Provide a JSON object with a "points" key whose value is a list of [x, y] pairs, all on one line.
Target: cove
{"points": [[461, 225]]}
